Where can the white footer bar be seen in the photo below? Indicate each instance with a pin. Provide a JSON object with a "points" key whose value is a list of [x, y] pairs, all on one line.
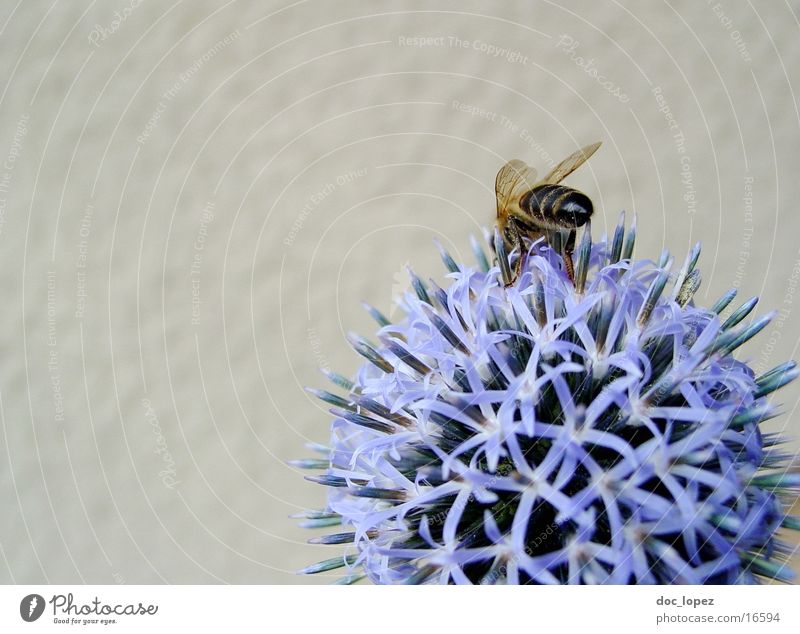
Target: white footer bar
{"points": [[385, 610]]}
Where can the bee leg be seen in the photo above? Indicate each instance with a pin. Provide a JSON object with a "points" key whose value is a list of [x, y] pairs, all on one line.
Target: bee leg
{"points": [[569, 247], [520, 243]]}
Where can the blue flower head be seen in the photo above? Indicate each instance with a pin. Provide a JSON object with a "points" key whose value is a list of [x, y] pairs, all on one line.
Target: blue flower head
{"points": [[551, 432]]}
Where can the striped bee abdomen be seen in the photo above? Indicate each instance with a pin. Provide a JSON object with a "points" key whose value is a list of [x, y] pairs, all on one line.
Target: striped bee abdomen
{"points": [[565, 206]]}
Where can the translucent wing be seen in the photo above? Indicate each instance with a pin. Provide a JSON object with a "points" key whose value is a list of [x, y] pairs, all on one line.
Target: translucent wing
{"points": [[513, 180], [570, 164]]}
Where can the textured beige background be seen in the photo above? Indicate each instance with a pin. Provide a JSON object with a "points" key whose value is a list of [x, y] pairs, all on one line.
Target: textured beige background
{"points": [[284, 174]]}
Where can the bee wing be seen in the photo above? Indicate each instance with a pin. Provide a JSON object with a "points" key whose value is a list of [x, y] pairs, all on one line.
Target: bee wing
{"points": [[513, 180], [570, 164]]}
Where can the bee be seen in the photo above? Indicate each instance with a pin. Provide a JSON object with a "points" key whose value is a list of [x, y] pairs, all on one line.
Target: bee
{"points": [[527, 208]]}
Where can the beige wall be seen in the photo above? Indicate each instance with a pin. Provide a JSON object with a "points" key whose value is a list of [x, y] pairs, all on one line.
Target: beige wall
{"points": [[284, 174]]}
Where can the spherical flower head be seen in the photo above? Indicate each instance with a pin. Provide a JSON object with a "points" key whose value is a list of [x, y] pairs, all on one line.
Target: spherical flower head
{"points": [[551, 431]]}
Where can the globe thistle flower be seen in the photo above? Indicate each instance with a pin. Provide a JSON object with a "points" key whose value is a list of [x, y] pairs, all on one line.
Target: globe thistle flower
{"points": [[545, 432]]}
